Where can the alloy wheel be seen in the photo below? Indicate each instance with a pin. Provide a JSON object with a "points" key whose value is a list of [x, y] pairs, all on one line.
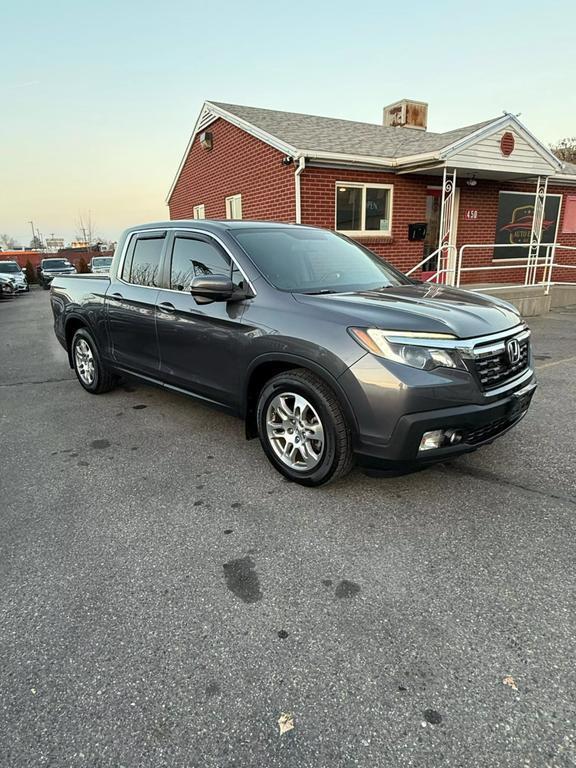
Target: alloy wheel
{"points": [[84, 359], [295, 431]]}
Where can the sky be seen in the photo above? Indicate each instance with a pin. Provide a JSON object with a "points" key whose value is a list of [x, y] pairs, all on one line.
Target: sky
{"points": [[98, 99]]}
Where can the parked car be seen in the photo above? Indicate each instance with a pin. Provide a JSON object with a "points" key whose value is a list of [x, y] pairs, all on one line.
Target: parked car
{"points": [[13, 269], [7, 287], [50, 267], [100, 264], [328, 353]]}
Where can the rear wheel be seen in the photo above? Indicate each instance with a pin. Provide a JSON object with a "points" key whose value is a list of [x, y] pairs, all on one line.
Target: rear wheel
{"points": [[303, 429], [94, 376]]}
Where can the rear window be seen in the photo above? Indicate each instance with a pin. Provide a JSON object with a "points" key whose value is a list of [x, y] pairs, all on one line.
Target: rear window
{"points": [[142, 267]]}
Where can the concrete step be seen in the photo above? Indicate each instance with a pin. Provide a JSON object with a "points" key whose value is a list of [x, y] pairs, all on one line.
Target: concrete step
{"points": [[531, 300]]}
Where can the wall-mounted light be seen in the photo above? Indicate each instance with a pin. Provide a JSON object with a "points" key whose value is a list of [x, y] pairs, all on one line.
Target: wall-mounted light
{"points": [[472, 181], [206, 140], [287, 160]]}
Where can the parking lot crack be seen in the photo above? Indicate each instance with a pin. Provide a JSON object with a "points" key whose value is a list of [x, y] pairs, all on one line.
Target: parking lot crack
{"points": [[490, 477], [35, 382]]}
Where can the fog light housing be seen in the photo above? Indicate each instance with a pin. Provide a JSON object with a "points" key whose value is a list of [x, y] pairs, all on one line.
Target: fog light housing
{"points": [[431, 440]]}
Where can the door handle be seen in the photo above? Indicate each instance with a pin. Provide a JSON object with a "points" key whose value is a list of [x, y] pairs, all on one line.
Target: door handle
{"points": [[167, 307], [116, 296]]}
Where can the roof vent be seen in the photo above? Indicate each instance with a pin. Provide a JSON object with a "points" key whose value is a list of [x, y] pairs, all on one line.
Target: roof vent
{"points": [[407, 113]]}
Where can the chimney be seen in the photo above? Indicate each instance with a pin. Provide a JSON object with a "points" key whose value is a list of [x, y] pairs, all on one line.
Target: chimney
{"points": [[407, 113]]}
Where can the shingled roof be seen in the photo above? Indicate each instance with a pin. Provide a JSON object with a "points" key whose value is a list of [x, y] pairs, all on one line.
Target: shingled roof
{"points": [[310, 133]]}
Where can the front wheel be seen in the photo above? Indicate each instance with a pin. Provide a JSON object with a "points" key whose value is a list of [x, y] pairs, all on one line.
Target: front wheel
{"points": [[303, 429], [94, 376]]}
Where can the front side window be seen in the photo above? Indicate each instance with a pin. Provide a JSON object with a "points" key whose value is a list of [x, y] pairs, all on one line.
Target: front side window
{"points": [[143, 265], [193, 257], [234, 207], [306, 260], [362, 208], [199, 212]]}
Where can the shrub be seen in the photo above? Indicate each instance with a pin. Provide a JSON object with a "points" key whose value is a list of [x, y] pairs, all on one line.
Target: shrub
{"points": [[82, 266], [30, 272]]}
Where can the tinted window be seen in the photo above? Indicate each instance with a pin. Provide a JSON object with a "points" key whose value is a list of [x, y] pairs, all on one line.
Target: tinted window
{"points": [[300, 259], [196, 258], [144, 266], [9, 266]]}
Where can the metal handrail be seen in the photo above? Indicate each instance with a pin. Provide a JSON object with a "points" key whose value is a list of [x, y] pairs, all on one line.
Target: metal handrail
{"points": [[547, 263], [448, 247]]}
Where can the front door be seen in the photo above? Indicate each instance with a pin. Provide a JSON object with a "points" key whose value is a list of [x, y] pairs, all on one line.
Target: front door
{"points": [[201, 345], [432, 239], [131, 305]]}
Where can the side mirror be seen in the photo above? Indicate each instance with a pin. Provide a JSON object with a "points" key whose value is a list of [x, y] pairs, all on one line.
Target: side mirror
{"points": [[211, 288]]}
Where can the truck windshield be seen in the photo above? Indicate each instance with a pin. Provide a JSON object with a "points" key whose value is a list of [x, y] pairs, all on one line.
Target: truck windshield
{"points": [[305, 260], [102, 261], [55, 264], [9, 267]]}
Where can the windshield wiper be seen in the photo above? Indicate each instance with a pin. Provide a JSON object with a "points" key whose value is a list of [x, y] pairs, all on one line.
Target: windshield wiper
{"points": [[320, 292]]}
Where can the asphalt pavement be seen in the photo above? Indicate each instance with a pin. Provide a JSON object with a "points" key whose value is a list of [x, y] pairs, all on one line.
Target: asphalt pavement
{"points": [[166, 597]]}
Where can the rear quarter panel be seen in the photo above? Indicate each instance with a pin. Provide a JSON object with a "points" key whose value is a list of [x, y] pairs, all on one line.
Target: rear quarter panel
{"points": [[81, 299]]}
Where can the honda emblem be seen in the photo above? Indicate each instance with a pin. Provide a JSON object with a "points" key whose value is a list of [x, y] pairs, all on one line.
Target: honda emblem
{"points": [[513, 349]]}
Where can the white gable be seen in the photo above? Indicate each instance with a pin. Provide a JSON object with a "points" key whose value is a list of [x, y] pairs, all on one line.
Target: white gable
{"points": [[529, 157]]}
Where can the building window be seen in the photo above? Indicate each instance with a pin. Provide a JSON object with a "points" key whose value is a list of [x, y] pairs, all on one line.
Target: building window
{"points": [[234, 207], [364, 208], [199, 212]]}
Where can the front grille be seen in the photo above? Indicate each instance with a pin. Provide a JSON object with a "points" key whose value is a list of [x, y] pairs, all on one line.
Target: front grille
{"points": [[495, 369]]}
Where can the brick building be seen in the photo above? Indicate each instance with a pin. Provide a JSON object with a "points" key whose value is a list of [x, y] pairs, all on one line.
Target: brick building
{"points": [[404, 192]]}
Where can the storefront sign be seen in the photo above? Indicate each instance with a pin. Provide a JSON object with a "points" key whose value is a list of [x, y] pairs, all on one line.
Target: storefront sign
{"points": [[514, 225]]}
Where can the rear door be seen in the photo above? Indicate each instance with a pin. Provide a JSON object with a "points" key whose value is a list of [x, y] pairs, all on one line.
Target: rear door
{"points": [[202, 346], [131, 302]]}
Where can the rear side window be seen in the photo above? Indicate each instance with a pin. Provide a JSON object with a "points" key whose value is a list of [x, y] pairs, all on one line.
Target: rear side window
{"points": [[192, 257], [142, 267]]}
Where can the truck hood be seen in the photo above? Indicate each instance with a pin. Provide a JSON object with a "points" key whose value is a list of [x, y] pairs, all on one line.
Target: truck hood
{"points": [[427, 308]]}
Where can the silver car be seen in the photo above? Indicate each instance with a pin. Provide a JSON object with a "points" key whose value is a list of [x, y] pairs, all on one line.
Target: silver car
{"points": [[100, 264], [13, 270]]}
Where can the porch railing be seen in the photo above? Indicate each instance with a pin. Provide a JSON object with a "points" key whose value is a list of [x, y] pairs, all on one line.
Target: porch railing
{"points": [[443, 256], [548, 263]]}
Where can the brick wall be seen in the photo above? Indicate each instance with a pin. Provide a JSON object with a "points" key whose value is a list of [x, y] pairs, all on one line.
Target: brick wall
{"points": [[238, 163], [318, 189]]}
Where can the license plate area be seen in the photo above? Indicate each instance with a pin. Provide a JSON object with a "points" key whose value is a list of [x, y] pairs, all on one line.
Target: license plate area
{"points": [[521, 401]]}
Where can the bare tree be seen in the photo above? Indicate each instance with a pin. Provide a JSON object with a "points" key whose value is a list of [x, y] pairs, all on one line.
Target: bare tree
{"points": [[8, 242], [86, 230], [565, 149]]}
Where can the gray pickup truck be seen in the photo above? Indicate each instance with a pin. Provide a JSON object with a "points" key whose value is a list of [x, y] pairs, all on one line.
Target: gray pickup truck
{"points": [[329, 354]]}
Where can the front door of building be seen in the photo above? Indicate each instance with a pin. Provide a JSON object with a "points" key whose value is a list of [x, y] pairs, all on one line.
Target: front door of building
{"points": [[430, 244]]}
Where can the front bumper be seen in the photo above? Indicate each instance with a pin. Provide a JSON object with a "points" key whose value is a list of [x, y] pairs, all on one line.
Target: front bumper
{"points": [[478, 424], [394, 405]]}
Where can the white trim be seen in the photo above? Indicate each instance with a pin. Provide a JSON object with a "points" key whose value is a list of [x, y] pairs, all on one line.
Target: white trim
{"points": [[231, 202], [364, 187], [210, 112], [492, 128], [199, 209]]}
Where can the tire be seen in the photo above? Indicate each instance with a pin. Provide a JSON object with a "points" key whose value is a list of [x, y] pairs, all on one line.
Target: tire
{"points": [[303, 430], [45, 286], [91, 372]]}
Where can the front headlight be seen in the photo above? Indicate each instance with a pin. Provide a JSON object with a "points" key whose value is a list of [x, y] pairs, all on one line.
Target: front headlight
{"points": [[426, 357]]}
